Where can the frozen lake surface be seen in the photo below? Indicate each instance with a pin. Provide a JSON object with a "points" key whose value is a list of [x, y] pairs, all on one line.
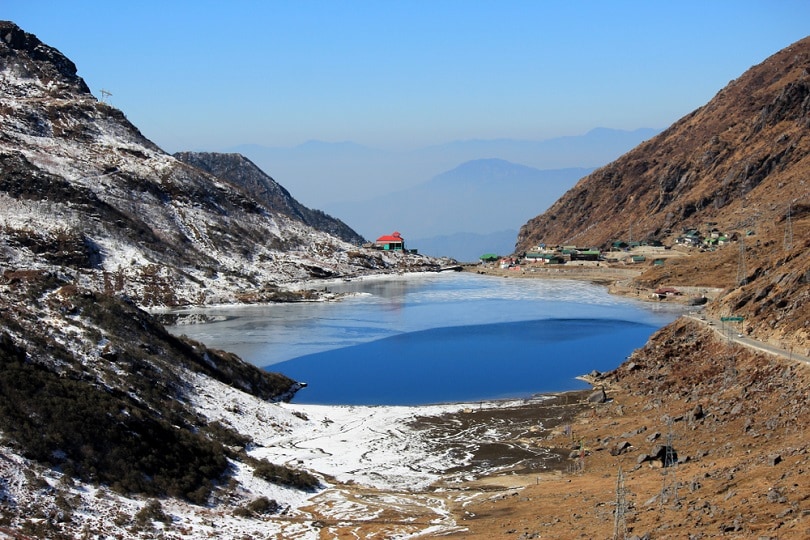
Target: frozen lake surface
{"points": [[432, 338]]}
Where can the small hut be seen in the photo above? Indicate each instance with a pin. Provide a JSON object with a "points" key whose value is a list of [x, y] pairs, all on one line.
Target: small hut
{"points": [[390, 242]]}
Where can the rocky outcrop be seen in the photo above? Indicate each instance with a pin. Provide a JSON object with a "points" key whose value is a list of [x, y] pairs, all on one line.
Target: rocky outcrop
{"points": [[26, 57], [243, 173], [81, 189]]}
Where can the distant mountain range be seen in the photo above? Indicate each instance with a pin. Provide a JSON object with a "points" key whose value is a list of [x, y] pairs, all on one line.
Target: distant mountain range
{"points": [[478, 197], [322, 174]]}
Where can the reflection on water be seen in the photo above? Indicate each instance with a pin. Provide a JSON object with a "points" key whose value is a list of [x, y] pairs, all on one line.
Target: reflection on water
{"points": [[398, 321], [466, 363]]}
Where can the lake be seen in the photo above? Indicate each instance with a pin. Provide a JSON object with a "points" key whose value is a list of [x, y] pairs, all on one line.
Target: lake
{"points": [[432, 338]]}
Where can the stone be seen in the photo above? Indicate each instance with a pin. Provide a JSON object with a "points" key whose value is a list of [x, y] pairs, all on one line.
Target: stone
{"points": [[620, 448], [598, 396], [665, 454]]}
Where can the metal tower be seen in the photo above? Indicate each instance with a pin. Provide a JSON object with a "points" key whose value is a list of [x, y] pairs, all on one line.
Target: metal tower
{"points": [[742, 270], [788, 231], [620, 520]]}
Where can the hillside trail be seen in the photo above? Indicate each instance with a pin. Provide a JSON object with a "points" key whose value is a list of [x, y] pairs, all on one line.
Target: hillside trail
{"points": [[730, 333]]}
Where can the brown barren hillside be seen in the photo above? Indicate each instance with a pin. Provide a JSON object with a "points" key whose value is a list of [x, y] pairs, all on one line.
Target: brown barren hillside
{"points": [[741, 165], [732, 421]]}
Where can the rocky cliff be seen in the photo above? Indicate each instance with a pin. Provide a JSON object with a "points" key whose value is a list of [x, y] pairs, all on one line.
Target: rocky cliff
{"points": [[82, 189], [738, 165], [96, 223], [243, 173]]}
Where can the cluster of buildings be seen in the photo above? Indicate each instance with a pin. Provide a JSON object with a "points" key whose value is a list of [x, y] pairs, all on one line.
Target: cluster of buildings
{"points": [[620, 250], [715, 237], [546, 256]]}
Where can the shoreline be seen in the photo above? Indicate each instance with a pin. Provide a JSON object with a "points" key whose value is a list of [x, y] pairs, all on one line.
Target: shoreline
{"points": [[599, 273], [478, 469], [618, 280]]}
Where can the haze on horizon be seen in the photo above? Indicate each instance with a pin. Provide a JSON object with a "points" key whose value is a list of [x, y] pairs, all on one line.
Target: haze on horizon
{"points": [[399, 76]]}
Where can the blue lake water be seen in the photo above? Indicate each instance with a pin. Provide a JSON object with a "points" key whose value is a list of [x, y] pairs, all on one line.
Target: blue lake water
{"points": [[437, 338]]}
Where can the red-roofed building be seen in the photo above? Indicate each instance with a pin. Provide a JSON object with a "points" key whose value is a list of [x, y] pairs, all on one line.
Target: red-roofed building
{"points": [[390, 242]]}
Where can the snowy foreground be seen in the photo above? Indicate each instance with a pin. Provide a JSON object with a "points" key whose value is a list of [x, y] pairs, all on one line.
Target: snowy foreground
{"points": [[369, 447]]}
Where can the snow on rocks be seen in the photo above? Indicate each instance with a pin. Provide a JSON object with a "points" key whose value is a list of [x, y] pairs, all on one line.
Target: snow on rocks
{"points": [[372, 446]]}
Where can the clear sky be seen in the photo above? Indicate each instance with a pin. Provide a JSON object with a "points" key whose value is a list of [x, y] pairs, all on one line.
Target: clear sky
{"points": [[209, 75]]}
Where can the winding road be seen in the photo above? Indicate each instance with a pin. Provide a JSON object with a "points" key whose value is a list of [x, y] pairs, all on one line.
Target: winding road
{"points": [[729, 331]]}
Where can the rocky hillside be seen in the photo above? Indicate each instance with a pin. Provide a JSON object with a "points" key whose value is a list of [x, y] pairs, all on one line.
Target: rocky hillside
{"points": [[82, 190], [96, 223], [243, 173], [740, 165], [737, 455]]}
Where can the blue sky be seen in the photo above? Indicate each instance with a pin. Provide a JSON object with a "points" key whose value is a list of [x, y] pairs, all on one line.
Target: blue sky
{"points": [[206, 75]]}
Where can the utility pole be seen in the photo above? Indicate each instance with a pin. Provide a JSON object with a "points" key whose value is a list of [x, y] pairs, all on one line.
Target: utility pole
{"points": [[104, 95], [742, 270], [620, 519], [669, 489], [788, 231]]}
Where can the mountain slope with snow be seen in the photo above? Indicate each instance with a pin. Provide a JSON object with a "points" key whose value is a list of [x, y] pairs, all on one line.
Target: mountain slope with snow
{"points": [[100, 415], [77, 175], [243, 173]]}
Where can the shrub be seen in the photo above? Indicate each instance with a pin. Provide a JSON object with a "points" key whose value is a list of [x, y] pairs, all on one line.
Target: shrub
{"points": [[285, 476], [260, 506], [103, 436], [150, 512]]}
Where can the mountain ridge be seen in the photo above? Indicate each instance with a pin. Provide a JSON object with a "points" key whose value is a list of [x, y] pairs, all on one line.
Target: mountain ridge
{"points": [[244, 174], [739, 165], [374, 172], [149, 226], [478, 196]]}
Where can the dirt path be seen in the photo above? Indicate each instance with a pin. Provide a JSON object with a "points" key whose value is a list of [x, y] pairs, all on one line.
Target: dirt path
{"points": [[732, 333]]}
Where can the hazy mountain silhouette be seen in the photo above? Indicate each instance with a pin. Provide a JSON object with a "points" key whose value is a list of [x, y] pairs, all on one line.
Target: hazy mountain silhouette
{"points": [[480, 197], [322, 173]]}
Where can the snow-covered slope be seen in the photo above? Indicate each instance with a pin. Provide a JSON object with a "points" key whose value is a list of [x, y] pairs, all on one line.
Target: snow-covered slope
{"points": [[137, 221], [102, 412], [244, 174]]}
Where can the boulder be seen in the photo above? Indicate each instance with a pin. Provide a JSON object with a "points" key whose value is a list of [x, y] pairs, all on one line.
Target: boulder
{"points": [[620, 448], [665, 454], [598, 396], [696, 413]]}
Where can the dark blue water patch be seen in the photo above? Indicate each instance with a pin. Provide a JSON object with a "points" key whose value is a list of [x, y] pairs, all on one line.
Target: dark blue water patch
{"points": [[466, 363]]}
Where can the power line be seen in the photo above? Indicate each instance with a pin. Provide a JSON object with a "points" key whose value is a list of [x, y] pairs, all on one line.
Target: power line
{"points": [[742, 271], [620, 520], [788, 231]]}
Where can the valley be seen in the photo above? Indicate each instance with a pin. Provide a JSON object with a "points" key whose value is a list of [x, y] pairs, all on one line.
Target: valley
{"points": [[113, 427]]}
